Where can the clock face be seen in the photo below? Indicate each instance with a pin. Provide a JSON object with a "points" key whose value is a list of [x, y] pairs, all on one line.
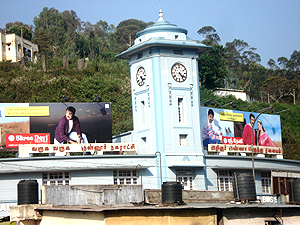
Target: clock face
{"points": [[141, 76], [179, 72]]}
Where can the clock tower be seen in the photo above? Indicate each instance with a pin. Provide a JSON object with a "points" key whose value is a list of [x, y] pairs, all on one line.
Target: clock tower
{"points": [[166, 101]]}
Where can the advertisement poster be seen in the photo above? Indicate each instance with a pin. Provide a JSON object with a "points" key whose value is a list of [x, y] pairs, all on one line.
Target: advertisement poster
{"points": [[42, 118], [14, 140], [222, 126]]}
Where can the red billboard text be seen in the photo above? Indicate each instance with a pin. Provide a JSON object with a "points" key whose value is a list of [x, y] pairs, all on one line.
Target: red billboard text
{"points": [[232, 141]]}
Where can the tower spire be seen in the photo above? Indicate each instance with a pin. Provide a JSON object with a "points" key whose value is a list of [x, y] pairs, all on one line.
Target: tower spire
{"points": [[160, 13]]}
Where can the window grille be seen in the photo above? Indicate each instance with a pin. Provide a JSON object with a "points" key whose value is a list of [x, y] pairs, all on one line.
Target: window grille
{"points": [[225, 180], [186, 178], [266, 182], [126, 177], [56, 178]]}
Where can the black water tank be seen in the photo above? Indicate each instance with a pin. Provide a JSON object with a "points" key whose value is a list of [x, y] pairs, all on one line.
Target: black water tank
{"points": [[294, 191], [171, 192], [28, 192], [244, 187]]}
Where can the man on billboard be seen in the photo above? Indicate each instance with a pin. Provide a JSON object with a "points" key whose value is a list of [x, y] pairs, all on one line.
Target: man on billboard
{"points": [[209, 135], [248, 129], [68, 129]]}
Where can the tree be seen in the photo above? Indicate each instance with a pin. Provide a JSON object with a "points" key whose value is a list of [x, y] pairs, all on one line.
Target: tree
{"points": [[43, 40], [234, 52], [282, 61], [212, 67], [210, 34], [60, 27], [294, 62], [126, 31], [16, 29], [272, 63], [250, 56], [278, 87]]}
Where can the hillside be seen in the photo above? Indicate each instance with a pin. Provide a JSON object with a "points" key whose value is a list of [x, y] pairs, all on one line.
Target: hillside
{"points": [[111, 80]]}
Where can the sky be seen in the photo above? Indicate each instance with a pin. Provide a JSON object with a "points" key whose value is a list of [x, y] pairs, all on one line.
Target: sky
{"points": [[270, 26]]}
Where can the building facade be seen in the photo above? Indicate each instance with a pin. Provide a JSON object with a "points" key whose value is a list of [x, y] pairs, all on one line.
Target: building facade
{"points": [[12, 45], [166, 99], [166, 120], [239, 94]]}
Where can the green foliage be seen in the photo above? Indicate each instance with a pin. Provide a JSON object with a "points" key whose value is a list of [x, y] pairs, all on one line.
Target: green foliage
{"points": [[243, 71], [8, 155], [212, 67], [278, 87], [63, 33], [210, 34], [43, 40], [126, 31], [109, 79], [16, 29]]}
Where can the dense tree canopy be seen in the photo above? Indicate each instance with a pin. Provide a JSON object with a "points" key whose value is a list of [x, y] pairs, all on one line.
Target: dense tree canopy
{"points": [[238, 66], [212, 67], [16, 28]]}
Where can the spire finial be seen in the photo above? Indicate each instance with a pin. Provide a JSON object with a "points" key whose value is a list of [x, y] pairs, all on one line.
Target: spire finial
{"points": [[160, 13]]}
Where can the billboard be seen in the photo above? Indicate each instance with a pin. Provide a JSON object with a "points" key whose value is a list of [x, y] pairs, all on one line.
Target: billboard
{"points": [[23, 118], [14, 140], [233, 127]]}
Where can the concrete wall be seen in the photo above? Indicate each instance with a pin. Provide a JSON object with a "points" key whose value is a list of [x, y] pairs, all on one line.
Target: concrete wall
{"points": [[258, 216], [8, 189], [72, 218], [91, 194], [153, 196], [118, 216], [2, 45], [162, 217], [120, 194]]}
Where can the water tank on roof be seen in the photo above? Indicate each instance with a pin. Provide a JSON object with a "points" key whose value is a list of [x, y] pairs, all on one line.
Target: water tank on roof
{"points": [[171, 192], [244, 187], [28, 192]]}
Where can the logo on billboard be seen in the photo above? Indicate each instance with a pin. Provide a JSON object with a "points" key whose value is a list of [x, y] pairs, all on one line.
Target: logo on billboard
{"points": [[14, 140], [11, 137]]}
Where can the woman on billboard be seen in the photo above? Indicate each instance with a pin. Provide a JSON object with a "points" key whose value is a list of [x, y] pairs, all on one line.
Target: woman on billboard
{"points": [[263, 137]]}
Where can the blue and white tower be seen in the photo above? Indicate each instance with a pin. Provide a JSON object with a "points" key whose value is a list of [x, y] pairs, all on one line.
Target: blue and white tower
{"points": [[166, 100]]}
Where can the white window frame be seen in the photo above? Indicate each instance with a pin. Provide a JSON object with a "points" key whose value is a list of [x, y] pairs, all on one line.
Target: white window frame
{"points": [[126, 177], [181, 109], [186, 178], [56, 178], [225, 180], [266, 182]]}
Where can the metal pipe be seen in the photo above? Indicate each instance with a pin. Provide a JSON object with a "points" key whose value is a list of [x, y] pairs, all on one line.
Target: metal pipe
{"points": [[138, 166], [160, 167]]}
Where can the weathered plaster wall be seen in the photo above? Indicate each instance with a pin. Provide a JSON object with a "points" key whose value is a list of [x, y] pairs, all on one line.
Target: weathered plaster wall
{"points": [[162, 217], [72, 218], [258, 216]]}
